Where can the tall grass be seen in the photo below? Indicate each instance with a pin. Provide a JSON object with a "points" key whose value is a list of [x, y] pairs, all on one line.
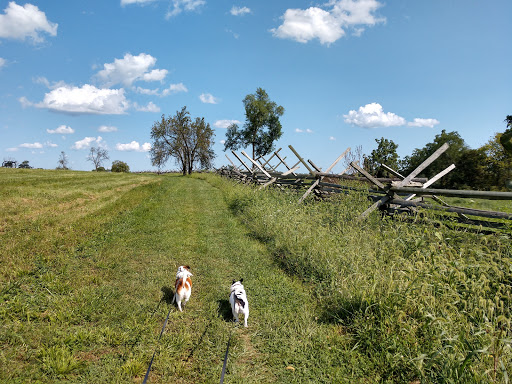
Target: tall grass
{"points": [[419, 302]]}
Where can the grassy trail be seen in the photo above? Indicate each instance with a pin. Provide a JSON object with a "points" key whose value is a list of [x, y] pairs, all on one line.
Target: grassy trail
{"points": [[94, 313]]}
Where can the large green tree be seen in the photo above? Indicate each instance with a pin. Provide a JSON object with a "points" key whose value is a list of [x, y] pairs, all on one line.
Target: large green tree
{"points": [[506, 137], [188, 141], [384, 154], [262, 126], [451, 156]]}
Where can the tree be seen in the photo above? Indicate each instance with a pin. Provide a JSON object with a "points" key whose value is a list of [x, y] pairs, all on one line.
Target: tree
{"points": [[120, 166], [262, 126], [384, 154], [188, 142], [97, 156], [506, 137], [499, 162], [24, 164], [451, 156], [63, 161]]}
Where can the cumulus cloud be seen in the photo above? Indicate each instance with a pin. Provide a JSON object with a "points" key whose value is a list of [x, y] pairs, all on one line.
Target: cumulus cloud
{"points": [[126, 2], [328, 25], [239, 11], [174, 88], [2, 62], [151, 107], [27, 21], [332, 138], [298, 130], [208, 98], [107, 128], [134, 146], [130, 69], [225, 123], [373, 116], [178, 6], [423, 123], [63, 130], [35, 145], [83, 100], [86, 142], [50, 144]]}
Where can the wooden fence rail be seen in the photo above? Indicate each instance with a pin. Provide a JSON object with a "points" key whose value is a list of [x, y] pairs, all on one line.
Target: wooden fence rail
{"points": [[397, 194]]}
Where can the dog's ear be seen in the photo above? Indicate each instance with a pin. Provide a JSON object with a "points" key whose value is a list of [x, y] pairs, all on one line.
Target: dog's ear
{"points": [[187, 267], [242, 279], [233, 282]]}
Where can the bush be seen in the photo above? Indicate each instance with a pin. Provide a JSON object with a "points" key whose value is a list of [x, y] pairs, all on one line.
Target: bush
{"points": [[120, 166]]}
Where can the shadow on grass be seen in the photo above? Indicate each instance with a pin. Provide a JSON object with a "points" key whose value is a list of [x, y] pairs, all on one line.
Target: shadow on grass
{"points": [[167, 295], [225, 310]]}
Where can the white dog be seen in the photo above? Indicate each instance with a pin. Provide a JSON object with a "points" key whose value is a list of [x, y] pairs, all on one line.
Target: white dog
{"points": [[238, 301], [182, 286]]}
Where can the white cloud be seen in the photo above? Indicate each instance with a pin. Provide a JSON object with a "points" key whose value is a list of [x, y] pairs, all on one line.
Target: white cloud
{"points": [[12, 149], [179, 6], [84, 100], [35, 145], [125, 2], [145, 91], [27, 21], [423, 123], [298, 130], [222, 142], [63, 130], [86, 142], [373, 116], [329, 25], [50, 144], [106, 128], [134, 146], [130, 69], [332, 138], [174, 88], [208, 98], [238, 11], [2, 62], [151, 107], [225, 123]]}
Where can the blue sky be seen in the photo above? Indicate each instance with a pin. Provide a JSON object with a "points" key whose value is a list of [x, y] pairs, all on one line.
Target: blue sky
{"points": [[76, 74]]}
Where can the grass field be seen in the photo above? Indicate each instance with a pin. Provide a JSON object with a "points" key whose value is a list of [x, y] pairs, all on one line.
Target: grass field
{"points": [[88, 259]]}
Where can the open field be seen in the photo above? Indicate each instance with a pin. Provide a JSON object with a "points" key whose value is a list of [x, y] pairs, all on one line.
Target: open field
{"points": [[88, 259]]}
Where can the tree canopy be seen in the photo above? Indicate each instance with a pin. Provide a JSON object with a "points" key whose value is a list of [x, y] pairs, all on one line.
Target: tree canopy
{"points": [[262, 126], [120, 166], [384, 154], [97, 156], [188, 141]]}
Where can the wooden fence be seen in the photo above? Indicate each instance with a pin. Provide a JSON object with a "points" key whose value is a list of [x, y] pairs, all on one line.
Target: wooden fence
{"points": [[403, 194]]}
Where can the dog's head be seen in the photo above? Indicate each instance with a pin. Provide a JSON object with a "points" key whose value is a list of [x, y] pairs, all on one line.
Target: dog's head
{"points": [[183, 271], [237, 284]]}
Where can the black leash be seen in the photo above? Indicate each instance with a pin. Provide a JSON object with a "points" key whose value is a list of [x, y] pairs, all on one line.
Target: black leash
{"points": [[225, 360], [159, 337]]}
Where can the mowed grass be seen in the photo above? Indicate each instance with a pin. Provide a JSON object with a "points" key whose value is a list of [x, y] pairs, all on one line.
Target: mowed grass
{"points": [[88, 305], [88, 268]]}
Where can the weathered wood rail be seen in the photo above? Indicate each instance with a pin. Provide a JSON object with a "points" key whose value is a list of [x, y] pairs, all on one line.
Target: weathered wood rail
{"points": [[390, 195]]}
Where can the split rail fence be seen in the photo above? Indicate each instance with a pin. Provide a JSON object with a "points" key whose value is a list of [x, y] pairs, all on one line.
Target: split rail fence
{"points": [[401, 194]]}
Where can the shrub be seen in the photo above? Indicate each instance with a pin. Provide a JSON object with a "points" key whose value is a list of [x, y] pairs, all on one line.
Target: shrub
{"points": [[120, 166]]}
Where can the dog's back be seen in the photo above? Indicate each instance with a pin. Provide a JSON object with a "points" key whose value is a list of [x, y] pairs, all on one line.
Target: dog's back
{"points": [[182, 286], [238, 301]]}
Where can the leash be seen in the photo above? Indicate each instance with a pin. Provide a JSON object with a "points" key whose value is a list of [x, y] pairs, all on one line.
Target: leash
{"points": [[159, 337], [225, 360]]}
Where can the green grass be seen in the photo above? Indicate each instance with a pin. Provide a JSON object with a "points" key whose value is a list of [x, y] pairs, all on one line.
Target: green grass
{"points": [[88, 261]]}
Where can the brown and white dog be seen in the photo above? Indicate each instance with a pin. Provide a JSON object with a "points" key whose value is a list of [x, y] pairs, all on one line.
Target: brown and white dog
{"points": [[182, 286]]}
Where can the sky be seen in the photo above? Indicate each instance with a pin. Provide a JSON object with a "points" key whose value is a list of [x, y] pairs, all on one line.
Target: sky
{"points": [[99, 73]]}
